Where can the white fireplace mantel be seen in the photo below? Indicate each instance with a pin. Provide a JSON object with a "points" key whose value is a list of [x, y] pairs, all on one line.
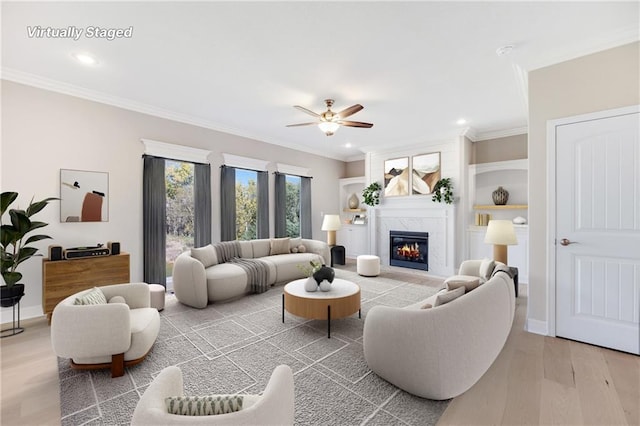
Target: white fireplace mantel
{"points": [[436, 219]]}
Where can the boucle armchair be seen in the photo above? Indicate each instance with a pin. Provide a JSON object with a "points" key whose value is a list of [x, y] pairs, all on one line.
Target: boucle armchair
{"points": [[111, 335], [440, 352], [275, 406]]}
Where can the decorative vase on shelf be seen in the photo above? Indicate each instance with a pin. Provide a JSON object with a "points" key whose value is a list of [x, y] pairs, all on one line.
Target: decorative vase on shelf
{"points": [[500, 196], [353, 201], [311, 284], [325, 286]]}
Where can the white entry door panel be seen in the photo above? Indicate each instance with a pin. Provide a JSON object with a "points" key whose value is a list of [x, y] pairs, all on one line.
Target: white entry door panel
{"points": [[598, 217]]}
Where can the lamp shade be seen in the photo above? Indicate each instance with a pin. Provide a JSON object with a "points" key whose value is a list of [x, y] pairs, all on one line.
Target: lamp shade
{"points": [[501, 232], [331, 222]]}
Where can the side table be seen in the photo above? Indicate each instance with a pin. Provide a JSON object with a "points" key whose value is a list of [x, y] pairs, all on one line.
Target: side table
{"points": [[337, 255]]}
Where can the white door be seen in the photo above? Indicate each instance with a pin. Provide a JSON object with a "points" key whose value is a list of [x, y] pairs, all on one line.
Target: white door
{"points": [[598, 231]]}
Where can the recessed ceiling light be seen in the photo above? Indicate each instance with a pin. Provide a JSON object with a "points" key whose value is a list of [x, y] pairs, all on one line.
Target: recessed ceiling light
{"points": [[85, 58], [504, 50], [461, 121], [348, 145]]}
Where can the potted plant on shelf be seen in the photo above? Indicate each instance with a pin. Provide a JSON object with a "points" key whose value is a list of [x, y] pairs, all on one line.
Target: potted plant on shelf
{"points": [[371, 194], [443, 191], [14, 244]]}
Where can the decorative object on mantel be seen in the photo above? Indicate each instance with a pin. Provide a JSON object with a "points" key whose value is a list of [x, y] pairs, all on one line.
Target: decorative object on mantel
{"points": [[500, 196], [519, 220], [371, 194], [14, 250], [353, 201], [443, 191]]}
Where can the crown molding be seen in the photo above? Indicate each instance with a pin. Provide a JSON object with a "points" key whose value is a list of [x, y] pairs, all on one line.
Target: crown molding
{"points": [[503, 133], [33, 80]]}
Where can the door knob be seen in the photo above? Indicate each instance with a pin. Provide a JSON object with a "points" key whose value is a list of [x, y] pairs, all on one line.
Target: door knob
{"points": [[566, 242]]}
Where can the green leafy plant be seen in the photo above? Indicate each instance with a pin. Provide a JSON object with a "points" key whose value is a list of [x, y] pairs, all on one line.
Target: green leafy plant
{"points": [[310, 270], [14, 242], [443, 191], [371, 194]]}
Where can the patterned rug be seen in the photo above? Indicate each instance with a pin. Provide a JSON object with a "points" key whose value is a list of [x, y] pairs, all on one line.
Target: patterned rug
{"points": [[234, 347]]}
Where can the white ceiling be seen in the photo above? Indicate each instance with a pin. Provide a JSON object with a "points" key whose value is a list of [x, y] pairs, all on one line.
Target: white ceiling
{"points": [[239, 67]]}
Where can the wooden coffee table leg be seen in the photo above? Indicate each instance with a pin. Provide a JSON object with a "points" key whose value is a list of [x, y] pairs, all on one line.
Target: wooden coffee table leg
{"points": [[328, 321]]}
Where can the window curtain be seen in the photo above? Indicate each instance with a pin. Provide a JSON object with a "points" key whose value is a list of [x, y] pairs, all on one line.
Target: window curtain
{"points": [[280, 199], [305, 207], [202, 201], [154, 206], [263, 205], [228, 203]]}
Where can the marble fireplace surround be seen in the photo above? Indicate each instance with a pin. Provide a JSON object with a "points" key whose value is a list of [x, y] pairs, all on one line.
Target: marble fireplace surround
{"points": [[437, 220]]}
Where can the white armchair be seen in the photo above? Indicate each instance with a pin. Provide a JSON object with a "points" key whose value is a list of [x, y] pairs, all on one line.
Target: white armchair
{"points": [[111, 335], [274, 407]]}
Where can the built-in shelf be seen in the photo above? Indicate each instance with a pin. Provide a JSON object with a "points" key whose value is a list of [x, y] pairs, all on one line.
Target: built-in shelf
{"points": [[354, 210], [505, 207]]}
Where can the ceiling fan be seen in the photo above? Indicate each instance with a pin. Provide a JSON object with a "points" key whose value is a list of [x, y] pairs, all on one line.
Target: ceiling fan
{"points": [[330, 121]]}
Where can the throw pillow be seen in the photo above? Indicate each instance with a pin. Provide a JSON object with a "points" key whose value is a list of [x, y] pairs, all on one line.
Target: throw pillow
{"points": [[466, 281], [486, 268], [449, 296], [93, 297], [294, 249], [426, 306], [117, 299], [206, 255], [279, 246], [203, 405], [302, 248], [294, 243]]}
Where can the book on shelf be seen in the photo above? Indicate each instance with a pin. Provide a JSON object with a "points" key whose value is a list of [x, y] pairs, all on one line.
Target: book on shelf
{"points": [[482, 219]]}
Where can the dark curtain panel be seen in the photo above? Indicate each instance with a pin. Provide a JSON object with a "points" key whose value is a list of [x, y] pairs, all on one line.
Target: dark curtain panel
{"points": [[202, 201], [228, 203], [281, 201], [154, 207], [263, 205], [305, 207]]}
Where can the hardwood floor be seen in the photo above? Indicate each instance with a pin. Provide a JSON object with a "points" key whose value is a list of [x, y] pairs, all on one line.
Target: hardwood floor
{"points": [[534, 380]]}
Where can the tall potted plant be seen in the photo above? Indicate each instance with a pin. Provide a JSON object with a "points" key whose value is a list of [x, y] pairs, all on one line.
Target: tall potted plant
{"points": [[14, 243]]}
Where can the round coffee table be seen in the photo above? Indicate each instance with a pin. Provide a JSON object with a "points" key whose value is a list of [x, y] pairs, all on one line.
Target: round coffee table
{"points": [[341, 301]]}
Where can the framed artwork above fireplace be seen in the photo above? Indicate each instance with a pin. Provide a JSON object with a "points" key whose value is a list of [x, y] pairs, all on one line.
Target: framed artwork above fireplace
{"points": [[425, 173]]}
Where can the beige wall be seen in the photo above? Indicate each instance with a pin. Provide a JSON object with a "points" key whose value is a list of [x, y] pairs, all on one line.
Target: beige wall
{"points": [[605, 80], [354, 169], [43, 132], [499, 149]]}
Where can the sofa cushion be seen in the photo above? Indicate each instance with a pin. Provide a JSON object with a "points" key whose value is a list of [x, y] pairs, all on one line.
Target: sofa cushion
{"points": [[279, 246], [246, 249], [467, 281], [117, 299], [486, 268], [449, 296], [203, 405], [95, 296], [226, 281], [261, 248], [206, 255]]}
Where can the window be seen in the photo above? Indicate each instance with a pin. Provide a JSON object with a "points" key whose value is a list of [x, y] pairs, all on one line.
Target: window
{"points": [[246, 204], [179, 184], [292, 205]]}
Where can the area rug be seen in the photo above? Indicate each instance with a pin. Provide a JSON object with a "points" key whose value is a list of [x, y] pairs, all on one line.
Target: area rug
{"points": [[234, 347]]}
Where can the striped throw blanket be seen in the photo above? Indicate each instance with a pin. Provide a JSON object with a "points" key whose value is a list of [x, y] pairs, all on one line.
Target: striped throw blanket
{"points": [[257, 270]]}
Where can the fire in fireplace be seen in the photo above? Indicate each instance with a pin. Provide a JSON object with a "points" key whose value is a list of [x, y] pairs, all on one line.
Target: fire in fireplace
{"points": [[409, 249]]}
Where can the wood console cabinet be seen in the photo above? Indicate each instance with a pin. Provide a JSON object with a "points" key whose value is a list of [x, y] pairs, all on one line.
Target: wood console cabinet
{"points": [[62, 278]]}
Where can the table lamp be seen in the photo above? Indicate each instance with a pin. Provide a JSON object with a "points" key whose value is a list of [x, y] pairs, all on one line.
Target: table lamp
{"points": [[331, 223], [501, 234]]}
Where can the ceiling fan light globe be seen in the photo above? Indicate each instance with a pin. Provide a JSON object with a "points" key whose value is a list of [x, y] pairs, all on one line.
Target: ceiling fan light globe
{"points": [[328, 127]]}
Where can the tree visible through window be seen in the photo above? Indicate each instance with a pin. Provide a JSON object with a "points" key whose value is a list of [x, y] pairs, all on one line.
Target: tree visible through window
{"points": [[246, 204], [180, 210], [292, 205]]}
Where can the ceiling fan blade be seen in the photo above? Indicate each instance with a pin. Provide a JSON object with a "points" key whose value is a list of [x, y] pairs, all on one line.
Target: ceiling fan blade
{"points": [[350, 111], [302, 124], [306, 111], [355, 124]]}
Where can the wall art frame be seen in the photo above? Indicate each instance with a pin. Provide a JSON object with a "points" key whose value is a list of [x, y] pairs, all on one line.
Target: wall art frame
{"points": [[84, 196], [425, 172], [396, 177]]}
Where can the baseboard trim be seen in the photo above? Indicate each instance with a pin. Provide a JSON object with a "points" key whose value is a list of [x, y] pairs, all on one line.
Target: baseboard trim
{"points": [[537, 327], [29, 312]]}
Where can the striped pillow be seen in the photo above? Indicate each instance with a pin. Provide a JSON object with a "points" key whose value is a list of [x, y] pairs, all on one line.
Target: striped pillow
{"points": [[203, 405], [93, 297]]}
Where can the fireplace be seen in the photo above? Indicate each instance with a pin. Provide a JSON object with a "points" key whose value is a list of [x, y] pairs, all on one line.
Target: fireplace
{"points": [[409, 249]]}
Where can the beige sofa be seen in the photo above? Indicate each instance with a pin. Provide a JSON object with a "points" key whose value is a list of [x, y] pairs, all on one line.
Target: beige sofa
{"points": [[199, 277], [440, 352]]}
